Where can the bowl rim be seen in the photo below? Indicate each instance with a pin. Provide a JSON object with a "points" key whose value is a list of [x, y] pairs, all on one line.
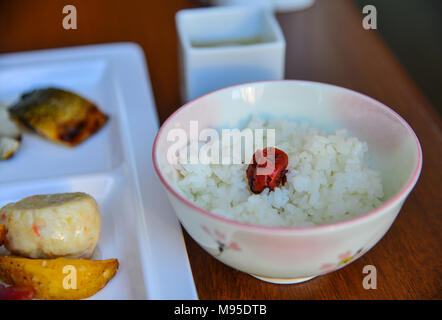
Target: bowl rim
{"points": [[402, 194]]}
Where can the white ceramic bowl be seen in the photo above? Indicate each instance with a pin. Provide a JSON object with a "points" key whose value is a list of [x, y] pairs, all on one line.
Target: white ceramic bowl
{"points": [[289, 255]]}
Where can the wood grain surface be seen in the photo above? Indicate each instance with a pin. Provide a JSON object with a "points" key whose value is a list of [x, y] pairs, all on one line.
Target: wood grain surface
{"points": [[324, 43]]}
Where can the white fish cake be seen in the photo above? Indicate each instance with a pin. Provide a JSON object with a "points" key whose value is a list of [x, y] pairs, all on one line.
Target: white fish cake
{"points": [[54, 225]]}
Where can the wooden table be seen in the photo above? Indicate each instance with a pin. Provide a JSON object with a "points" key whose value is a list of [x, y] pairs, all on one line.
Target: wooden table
{"points": [[324, 43]]}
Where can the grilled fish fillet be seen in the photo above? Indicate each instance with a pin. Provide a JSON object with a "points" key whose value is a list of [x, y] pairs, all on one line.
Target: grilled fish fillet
{"points": [[59, 115]]}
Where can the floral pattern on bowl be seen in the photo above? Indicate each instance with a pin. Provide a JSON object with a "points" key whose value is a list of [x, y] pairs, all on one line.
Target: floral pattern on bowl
{"points": [[220, 239], [344, 259]]}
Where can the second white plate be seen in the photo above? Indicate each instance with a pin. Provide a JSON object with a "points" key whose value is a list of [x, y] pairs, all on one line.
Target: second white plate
{"points": [[114, 166]]}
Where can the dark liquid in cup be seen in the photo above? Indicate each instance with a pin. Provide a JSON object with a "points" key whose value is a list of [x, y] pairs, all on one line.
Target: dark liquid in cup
{"points": [[229, 43]]}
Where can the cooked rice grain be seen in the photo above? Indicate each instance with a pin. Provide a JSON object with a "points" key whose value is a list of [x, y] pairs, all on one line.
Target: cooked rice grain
{"points": [[328, 180]]}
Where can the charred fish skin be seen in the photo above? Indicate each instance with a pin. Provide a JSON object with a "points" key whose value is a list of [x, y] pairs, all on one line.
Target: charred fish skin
{"points": [[59, 115]]}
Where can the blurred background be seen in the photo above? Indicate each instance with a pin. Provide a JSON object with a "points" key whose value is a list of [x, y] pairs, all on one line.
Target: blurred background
{"points": [[413, 30]]}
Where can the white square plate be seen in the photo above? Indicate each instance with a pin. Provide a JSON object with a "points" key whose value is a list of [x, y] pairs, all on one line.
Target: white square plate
{"points": [[114, 165]]}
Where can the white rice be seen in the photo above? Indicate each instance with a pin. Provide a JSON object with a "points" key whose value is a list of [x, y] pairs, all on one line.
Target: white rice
{"points": [[328, 180]]}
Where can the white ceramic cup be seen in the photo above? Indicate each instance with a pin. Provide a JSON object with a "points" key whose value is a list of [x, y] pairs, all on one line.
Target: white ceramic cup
{"points": [[278, 5], [262, 3], [204, 68]]}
